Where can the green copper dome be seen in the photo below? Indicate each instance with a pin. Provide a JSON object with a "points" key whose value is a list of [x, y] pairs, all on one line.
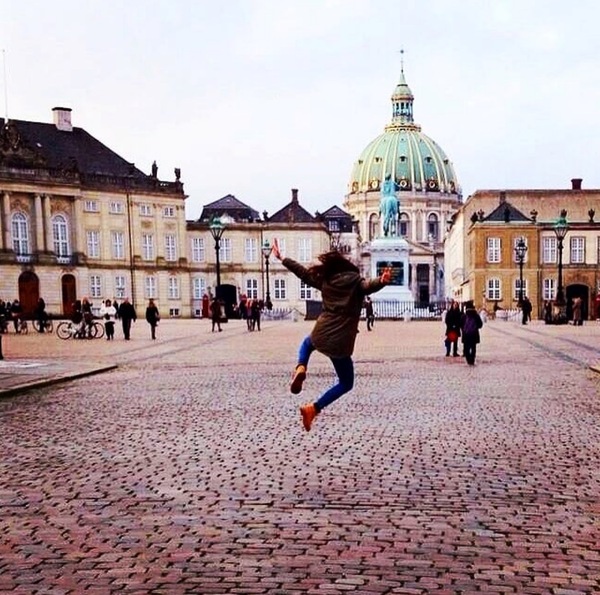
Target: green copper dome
{"points": [[414, 160]]}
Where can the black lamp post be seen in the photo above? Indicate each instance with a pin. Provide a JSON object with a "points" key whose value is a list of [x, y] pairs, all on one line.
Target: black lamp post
{"points": [[217, 228], [560, 229], [520, 252], [266, 251]]}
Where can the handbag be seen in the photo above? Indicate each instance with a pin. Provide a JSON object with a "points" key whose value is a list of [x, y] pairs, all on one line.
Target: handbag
{"points": [[452, 336]]}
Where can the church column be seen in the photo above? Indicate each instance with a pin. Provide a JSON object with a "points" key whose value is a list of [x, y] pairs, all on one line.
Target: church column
{"points": [[413, 227], [48, 234], [6, 220], [432, 288], [40, 240]]}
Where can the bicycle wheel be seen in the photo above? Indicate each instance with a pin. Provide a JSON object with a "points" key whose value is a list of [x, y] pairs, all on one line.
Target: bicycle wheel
{"points": [[49, 325], [24, 327], [63, 330], [97, 330], [36, 325]]}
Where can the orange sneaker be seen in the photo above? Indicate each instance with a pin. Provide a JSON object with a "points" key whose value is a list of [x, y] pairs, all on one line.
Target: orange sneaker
{"points": [[308, 413], [298, 379]]}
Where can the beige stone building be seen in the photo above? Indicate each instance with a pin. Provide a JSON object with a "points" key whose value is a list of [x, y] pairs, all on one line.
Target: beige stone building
{"points": [[480, 257]]}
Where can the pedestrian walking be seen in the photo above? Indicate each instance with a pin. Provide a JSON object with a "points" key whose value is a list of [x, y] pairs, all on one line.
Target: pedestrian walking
{"points": [[41, 315], [215, 314], [152, 317], [526, 309], [127, 314], [470, 324], [369, 313], [343, 291], [108, 313], [577, 317], [452, 320]]}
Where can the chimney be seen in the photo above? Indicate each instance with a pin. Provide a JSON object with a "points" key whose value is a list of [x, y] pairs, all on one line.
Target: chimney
{"points": [[576, 183], [295, 195], [502, 197], [62, 118]]}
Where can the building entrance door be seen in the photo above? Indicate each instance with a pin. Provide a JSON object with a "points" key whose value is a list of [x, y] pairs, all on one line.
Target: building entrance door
{"points": [[29, 292], [69, 294]]}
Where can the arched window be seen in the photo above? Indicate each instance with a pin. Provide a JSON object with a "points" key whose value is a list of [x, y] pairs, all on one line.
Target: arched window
{"points": [[373, 227], [433, 228], [404, 223], [20, 234], [60, 234]]}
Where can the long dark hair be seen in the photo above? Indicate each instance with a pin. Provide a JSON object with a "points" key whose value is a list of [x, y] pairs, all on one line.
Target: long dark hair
{"points": [[331, 263]]}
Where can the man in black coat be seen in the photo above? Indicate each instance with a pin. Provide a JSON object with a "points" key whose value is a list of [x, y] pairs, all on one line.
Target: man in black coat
{"points": [[127, 314]]}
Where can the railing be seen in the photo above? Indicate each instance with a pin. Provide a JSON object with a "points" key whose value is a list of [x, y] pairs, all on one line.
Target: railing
{"points": [[399, 310]]}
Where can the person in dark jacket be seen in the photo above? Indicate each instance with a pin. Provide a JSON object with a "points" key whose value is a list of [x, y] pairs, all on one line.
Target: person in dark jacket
{"points": [[152, 317], [369, 313], [127, 314], [526, 309], [452, 320], [215, 314], [343, 291], [470, 324]]}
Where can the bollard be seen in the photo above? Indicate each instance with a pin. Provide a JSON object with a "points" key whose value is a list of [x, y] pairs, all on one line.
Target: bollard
{"points": [[1, 356]]}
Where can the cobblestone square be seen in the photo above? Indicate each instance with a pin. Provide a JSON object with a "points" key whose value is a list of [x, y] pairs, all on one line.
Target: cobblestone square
{"points": [[186, 468]]}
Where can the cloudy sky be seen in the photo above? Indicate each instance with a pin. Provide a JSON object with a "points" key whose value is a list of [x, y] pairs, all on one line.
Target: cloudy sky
{"points": [[255, 97]]}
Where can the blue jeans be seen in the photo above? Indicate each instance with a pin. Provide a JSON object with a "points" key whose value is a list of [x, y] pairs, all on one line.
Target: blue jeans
{"points": [[344, 367]]}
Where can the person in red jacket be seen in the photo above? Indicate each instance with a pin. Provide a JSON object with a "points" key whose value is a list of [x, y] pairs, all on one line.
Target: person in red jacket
{"points": [[343, 291]]}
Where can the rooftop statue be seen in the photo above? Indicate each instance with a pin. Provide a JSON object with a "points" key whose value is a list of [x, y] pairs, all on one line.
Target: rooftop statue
{"points": [[389, 206]]}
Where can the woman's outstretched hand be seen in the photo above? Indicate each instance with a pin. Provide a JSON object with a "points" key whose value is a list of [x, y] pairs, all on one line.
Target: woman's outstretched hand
{"points": [[386, 276], [275, 250]]}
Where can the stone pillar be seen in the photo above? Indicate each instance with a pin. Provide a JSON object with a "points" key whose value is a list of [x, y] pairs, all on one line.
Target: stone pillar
{"points": [[6, 220], [40, 237], [48, 232]]}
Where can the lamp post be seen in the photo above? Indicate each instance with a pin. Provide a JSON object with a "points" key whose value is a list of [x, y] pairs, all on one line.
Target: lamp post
{"points": [[560, 229], [520, 251], [217, 228], [266, 251]]}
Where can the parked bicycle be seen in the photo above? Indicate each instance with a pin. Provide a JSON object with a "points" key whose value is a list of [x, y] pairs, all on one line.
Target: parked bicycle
{"points": [[71, 330], [48, 325], [9, 325]]}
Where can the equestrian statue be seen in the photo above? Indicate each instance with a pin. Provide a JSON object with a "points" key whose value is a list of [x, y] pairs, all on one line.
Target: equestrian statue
{"points": [[389, 206]]}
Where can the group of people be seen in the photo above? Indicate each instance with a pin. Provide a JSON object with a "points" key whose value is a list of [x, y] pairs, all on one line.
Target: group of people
{"points": [[250, 310], [462, 324], [10, 311]]}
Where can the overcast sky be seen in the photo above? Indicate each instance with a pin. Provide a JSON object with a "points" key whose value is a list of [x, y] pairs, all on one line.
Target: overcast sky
{"points": [[255, 97]]}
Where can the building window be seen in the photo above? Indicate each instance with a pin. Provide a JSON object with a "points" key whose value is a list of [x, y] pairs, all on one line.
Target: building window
{"points": [[517, 287], [93, 244], [404, 221], [250, 250], [577, 250], [116, 207], [252, 289], [549, 289], [304, 250], [174, 313], [280, 292], [120, 286], [95, 286], [147, 246], [91, 206], [225, 250], [169, 212], [198, 288], [373, 227], [493, 289], [493, 249], [145, 209], [170, 248], [198, 254], [433, 228], [20, 234], [333, 225], [150, 287], [281, 242], [60, 235], [173, 288], [549, 250], [305, 291], [118, 245]]}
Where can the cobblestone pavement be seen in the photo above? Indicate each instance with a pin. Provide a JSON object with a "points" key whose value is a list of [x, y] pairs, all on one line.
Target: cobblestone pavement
{"points": [[186, 470]]}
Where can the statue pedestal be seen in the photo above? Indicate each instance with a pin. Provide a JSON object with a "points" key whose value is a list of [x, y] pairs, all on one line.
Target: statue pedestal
{"points": [[391, 252]]}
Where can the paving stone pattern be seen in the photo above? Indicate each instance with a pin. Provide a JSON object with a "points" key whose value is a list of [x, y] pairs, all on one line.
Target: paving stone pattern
{"points": [[186, 470]]}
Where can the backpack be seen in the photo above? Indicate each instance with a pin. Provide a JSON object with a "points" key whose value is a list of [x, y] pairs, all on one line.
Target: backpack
{"points": [[470, 327]]}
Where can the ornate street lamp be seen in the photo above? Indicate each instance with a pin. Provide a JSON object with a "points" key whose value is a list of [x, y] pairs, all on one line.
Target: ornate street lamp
{"points": [[561, 228], [520, 252], [266, 251], [217, 228]]}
